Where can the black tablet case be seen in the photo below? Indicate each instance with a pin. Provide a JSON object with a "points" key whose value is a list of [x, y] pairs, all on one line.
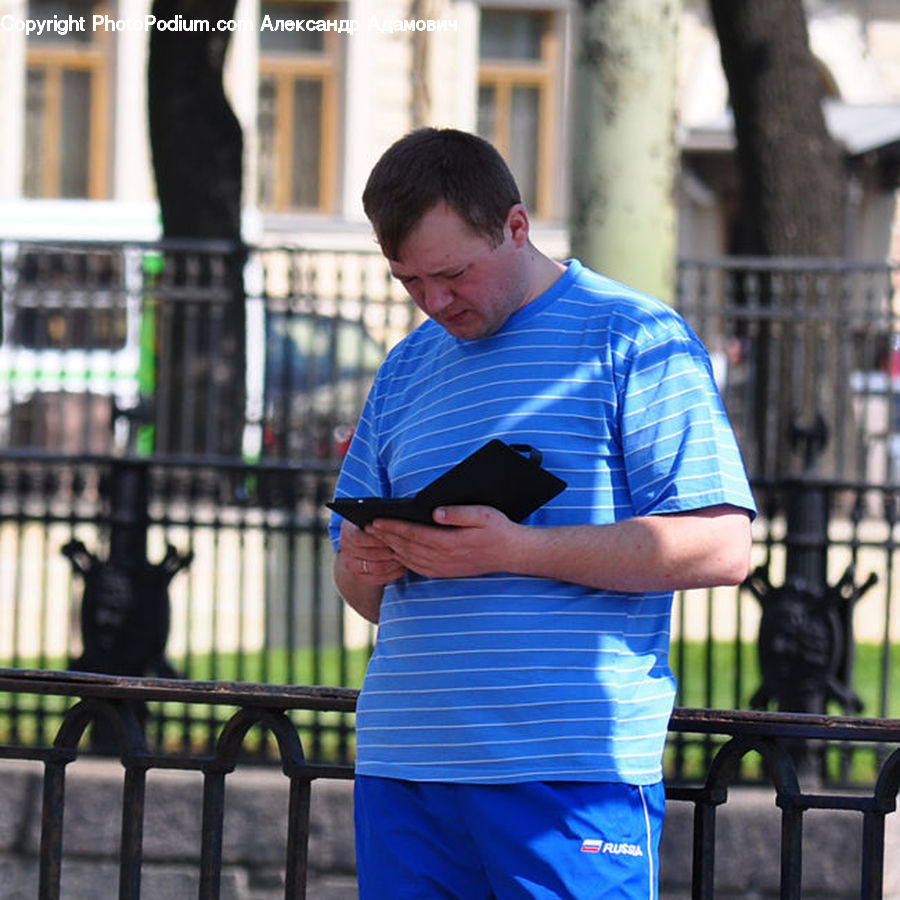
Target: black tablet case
{"points": [[497, 475]]}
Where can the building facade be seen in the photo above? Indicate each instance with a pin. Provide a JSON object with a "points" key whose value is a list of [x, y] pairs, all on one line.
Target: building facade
{"points": [[321, 88]]}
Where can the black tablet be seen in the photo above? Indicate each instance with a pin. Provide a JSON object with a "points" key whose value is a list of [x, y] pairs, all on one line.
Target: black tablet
{"points": [[508, 477]]}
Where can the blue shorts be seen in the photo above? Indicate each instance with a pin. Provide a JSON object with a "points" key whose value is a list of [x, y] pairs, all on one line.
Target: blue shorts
{"points": [[569, 840]]}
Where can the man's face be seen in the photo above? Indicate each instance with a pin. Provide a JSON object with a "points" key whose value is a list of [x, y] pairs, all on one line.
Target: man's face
{"points": [[461, 279]]}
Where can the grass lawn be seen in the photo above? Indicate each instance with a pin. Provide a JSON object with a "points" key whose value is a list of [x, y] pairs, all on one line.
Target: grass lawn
{"points": [[725, 676]]}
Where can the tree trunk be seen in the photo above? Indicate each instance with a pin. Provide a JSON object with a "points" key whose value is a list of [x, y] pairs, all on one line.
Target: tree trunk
{"points": [[790, 166], [791, 206], [624, 152], [196, 144]]}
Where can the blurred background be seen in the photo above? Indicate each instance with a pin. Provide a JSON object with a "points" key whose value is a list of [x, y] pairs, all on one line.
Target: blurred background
{"points": [[192, 308]]}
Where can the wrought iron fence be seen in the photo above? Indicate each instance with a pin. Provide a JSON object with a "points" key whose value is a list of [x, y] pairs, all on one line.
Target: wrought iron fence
{"points": [[796, 340], [115, 706], [198, 398], [807, 357], [171, 420], [730, 737]]}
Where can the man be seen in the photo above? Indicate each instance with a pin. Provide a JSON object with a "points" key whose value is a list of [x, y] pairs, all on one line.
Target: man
{"points": [[511, 725]]}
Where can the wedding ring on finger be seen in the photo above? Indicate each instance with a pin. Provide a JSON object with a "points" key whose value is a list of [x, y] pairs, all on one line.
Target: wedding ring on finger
{"points": [[365, 567]]}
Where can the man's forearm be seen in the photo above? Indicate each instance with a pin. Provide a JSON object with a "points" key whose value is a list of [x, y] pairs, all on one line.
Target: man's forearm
{"points": [[652, 553]]}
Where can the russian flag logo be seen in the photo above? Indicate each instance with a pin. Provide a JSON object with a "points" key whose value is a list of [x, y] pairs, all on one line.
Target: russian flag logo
{"points": [[591, 846]]}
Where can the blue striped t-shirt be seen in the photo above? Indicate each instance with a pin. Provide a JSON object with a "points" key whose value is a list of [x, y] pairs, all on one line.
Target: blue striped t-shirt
{"points": [[504, 678]]}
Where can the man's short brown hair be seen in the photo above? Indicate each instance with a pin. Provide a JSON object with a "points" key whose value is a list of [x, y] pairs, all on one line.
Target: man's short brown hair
{"points": [[431, 165]]}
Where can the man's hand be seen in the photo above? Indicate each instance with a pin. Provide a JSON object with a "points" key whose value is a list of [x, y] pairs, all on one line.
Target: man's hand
{"points": [[477, 543], [362, 567], [367, 557]]}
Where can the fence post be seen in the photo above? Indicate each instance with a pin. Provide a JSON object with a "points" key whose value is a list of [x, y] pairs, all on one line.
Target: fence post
{"points": [[125, 607], [805, 634]]}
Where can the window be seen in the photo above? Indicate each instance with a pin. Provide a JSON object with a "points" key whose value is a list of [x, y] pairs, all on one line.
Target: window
{"points": [[66, 106], [297, 117], [68, 301], [517, 59]]}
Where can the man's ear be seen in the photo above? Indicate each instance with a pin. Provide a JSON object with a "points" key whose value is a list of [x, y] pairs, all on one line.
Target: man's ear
{"points": [[518, 225]]}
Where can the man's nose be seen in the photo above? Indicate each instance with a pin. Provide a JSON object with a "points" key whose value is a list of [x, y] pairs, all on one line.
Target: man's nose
{"points": [[437, 298]]}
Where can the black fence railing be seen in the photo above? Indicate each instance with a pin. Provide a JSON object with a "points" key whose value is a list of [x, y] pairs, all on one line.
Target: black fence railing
{"points": [[114, 705], [774, 738], [807, 357], [793, 340], [730, 736], [175, 415], [254, 601]]}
